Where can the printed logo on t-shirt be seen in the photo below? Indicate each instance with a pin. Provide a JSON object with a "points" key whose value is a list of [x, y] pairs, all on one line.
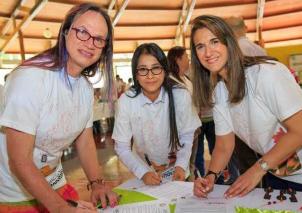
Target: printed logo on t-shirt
{"points": [[291, 165]]}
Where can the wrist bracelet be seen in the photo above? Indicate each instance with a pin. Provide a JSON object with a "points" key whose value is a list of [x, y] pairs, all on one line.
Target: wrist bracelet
{"points": [[216, 174], [97, 181]]}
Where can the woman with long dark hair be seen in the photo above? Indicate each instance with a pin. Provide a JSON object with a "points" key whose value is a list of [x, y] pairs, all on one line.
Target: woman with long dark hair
{"points": [[47, 106], [255, 98], [157, 113]]}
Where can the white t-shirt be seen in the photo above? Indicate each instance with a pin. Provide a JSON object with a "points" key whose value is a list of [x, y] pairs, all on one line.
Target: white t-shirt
{"points": [[272, 96], [1, 92], [148, 123], [42, 103]]}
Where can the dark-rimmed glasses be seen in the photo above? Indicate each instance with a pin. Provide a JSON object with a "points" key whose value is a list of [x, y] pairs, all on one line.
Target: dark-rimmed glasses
{"points": [[83, 35], [154, 70]]}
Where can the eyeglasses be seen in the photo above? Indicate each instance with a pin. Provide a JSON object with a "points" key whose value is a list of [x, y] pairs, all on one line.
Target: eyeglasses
{"points": [[213, 44], [83, 35], [154, 70]]}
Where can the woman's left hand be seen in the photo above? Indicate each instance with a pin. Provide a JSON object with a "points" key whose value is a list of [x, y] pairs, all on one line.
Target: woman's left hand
{"points": [[179, 174], [246, 182], [102, 193]]}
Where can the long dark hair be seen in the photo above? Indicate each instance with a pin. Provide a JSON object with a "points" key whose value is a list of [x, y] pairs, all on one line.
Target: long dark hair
{"points": [[173, 54], [56, 57], [168, 84], [203, 85]]}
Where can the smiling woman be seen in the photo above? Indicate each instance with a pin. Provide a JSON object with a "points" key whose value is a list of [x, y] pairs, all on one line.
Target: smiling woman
{"points": [[255, 98], [48, 106], [158, 114]]}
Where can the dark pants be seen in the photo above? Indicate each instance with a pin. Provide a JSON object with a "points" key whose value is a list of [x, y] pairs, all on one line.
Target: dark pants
{"points": [[208, 132], [278, 183], [96, 127], [245, 156]]}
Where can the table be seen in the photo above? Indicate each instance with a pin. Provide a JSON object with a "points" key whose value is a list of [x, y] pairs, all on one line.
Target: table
{"points": [[178, 193]]}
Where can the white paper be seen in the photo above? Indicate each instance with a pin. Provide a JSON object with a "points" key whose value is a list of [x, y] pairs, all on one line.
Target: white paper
{"points": [[143, 207], [193, 205], [175, 191], [132, 184], [168, 191]]}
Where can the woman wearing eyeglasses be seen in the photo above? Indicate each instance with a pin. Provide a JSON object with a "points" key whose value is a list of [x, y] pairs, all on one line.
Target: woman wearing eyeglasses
{"points": [[48, 106], [157, 113], [255, 98]]}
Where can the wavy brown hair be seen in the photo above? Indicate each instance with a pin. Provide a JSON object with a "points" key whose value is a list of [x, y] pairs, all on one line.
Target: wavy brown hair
{"points": [[173, 54], [203, 81]]}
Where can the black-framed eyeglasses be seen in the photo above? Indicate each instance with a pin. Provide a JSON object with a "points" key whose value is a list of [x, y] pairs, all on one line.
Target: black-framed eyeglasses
{"points": [[83, 35], [143, 71]]}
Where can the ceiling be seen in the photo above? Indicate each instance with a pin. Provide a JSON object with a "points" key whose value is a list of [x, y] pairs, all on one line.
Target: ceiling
{"points": [[166, 22]]}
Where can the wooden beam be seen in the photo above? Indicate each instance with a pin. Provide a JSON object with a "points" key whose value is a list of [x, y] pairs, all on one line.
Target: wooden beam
{"points": [[22, 49], [184, 20], [12, 16], [180, 22], [260, 13], [189, 15], [34, 11], [120, 12], [110, 7], [21, 43]]}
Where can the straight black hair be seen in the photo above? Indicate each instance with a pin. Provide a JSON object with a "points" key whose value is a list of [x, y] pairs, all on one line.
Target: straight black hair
{"points": [[168, 84]]}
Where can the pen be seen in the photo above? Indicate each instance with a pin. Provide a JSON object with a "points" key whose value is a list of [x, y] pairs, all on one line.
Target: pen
{"points": [[149, 163], [198, 173], [72, 203]]}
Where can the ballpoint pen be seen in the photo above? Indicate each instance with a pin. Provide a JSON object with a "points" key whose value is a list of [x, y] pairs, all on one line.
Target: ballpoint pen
{"points": [[72, 203], [149, 163], [198, 173]]}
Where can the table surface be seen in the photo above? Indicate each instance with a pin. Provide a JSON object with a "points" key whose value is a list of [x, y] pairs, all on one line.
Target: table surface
{"points": [[135, 191]]}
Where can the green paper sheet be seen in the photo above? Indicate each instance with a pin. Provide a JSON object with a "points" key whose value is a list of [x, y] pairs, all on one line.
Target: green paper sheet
{"points": [[249, 210]]}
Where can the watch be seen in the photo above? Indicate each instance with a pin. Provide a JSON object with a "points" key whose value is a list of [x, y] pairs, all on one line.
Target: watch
{"points": [[263, 164]]}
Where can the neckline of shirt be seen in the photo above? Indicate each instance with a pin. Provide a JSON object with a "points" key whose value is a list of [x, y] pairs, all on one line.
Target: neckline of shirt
{"points": [[145, 100]]}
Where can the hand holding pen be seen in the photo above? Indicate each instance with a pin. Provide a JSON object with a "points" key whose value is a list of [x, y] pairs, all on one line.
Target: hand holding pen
{"points": [[152, 177], [86, 206], [203, 185]]}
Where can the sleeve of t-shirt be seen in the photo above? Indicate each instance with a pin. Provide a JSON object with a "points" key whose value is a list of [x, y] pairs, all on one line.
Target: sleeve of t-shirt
{"points": [[122, 127], [122, 134], [90, 121], [23, 99], [221, 115], [279, 91]]}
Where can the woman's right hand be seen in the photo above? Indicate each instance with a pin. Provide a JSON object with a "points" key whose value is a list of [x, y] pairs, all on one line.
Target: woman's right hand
{"points": [[203, 186], [151, 178]]}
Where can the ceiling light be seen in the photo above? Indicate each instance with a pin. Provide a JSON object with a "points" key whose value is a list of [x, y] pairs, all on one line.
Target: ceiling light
{"points": [[47, 33]]}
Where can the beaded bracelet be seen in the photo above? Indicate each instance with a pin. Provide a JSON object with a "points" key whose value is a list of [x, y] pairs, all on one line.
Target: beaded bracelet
{"points": [[97, 181]]}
